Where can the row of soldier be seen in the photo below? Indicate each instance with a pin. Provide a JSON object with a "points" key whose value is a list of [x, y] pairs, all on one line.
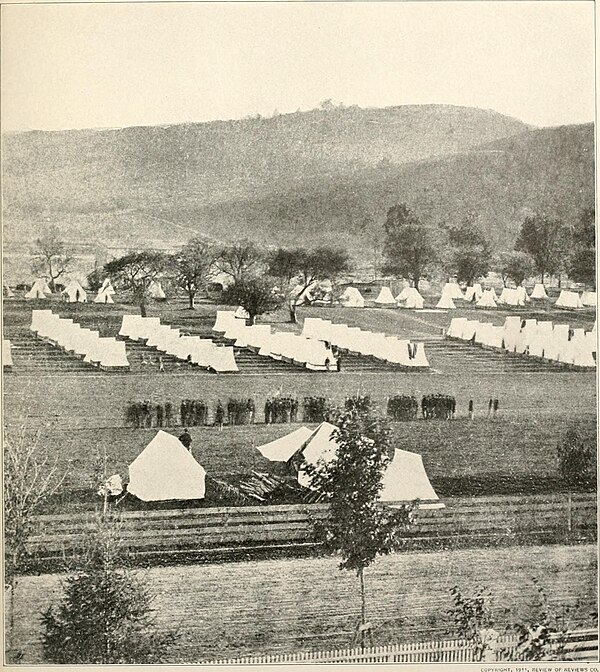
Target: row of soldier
{"points": [[281, 410]]}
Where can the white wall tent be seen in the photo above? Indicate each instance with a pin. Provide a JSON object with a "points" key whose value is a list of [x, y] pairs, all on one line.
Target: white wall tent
{"points": [[522, 295], [7, 359], [320, 445], [74, 292], [589, 299], [166, 470], [241, 313], [487, 300], [568, 299], [225, 318], [457, 324], [40, 290], [385, 297], [540, 339], [510, 297], [284, 448], [405, 480], [539, 292], [352, 298]]}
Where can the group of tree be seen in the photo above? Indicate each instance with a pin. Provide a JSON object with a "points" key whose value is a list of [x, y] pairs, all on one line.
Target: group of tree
{"points": [[414, 248]]}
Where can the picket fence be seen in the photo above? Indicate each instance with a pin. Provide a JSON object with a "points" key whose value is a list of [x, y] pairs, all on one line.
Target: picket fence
{"points": [[578, 645]]}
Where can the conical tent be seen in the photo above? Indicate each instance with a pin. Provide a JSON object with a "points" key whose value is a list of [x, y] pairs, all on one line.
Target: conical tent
{"points": [[320, 445], [103, 296], [539, 292], [522, 294], [8, 293], [446, 299], [385, 297], [156, 291], [166, 470], [40, 290], [352, 298], [404, 294], [241, 313], [107, 286], [453, 288], [74, 292], [414, 299], [473, 293]]}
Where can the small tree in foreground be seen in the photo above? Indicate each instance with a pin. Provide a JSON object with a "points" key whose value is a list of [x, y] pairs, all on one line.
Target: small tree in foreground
{"points": [[30, 479], [359, 527], [577, 456], [256, 295], [105, 615]]}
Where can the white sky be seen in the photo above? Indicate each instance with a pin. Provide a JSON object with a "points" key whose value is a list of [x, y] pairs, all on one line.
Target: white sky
{"points": [[106, 65]]}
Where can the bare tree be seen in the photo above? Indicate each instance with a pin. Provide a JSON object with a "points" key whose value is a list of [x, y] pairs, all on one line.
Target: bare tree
{"points": [[239, 259], [30, 478], [53, 259], [193, 267]]}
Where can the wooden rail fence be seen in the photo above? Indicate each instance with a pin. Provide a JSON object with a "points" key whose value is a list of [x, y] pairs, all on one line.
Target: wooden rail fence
{"points": [[578, 645], [563, 516]]}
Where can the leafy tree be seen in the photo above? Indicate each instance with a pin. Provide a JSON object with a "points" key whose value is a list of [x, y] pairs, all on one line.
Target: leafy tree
{"points": [[582, 262], [303, 268], [470, 254], [472, 618], [546, 240], [577, 456], [238, 260], [193, 267], [136, 272], [516, 266], [95, 279], [359, 527], [105, 615], [52, 259], [409, 247], [256, 295], [30, 479]]}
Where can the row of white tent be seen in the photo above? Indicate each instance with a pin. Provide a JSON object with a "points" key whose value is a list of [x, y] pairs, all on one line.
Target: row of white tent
{"points": [[106, 353], [75, 293], [7, 359], [166, 470], [310, 353], [541, 339], [371, 344], [165, 338], [409, 297]]}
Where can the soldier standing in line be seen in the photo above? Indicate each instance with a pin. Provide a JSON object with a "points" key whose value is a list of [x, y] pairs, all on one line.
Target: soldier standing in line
{"points": [[490, 405], [219, 414], [471, 411], [159, 415], [268, 412], [183, 412], [168, 413], [251, 409], [496, 404]]}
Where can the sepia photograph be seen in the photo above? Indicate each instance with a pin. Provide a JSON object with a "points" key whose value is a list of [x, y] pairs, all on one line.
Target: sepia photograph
{"points": [[299, 333]]}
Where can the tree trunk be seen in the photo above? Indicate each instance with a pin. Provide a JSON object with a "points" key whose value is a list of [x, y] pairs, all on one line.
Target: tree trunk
{"points": [[363, 607], [191, 297], [293, 317], [542, 278], [416, 282], [143, 306], [11, 653], [251, 320]]}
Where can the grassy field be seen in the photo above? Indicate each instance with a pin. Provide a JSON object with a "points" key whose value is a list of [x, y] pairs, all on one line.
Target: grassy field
{"points": [[80, 416], [245, 608], [510, 454]]}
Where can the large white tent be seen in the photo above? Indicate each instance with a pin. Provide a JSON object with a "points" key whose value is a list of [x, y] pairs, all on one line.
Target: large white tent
{"points": [[568, 299], [453, 290], [74, 292], [40, 290], [282, 449], [156, 291], [107, 286], [352, 298], [385, 298], [166, 470], [405, 478], [539, 292]]}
